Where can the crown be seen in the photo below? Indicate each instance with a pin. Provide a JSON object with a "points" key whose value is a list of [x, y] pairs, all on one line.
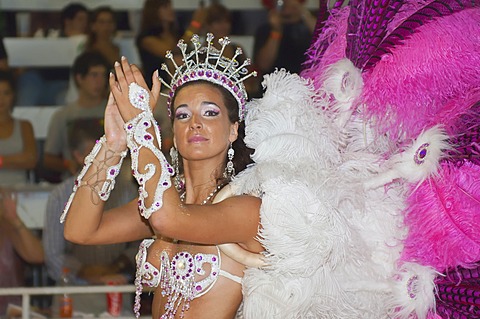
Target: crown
{"points": [[208, 63]]}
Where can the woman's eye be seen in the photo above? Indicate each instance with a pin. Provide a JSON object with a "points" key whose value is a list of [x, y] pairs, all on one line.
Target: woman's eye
{"points": [[181, 116], [211, 113]]}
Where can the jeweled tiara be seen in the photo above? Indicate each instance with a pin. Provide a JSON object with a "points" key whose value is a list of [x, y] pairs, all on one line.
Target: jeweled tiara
{"points": [[208, 63]]}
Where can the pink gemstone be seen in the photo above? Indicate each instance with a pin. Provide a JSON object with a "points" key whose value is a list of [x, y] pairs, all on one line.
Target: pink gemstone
{"points": [[198, 288]]}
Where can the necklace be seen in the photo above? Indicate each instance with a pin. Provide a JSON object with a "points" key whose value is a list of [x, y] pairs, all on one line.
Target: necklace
{"points": [[207, 199]]}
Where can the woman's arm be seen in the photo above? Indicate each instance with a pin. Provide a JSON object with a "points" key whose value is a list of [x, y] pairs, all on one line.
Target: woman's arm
{"points": [[268, 51], [158, 46], [86, 222], [25, 243]]}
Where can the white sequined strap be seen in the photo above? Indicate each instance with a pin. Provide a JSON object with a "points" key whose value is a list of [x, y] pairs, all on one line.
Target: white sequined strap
{"points": [[101, 187], [139, 138]]}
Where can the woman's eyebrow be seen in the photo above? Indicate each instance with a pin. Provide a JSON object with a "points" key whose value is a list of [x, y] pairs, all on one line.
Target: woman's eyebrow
{"points": [[210, 103]]}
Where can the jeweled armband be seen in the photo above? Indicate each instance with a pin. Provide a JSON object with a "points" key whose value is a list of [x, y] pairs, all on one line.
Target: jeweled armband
{"points": [[101, 187], [139, 138]]}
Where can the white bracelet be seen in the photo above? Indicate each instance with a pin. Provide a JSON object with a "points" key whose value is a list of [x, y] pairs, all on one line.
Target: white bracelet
{"points": [[107, 184], [139, 138]]}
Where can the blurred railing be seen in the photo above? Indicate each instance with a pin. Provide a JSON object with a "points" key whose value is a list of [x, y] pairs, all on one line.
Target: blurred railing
{"points": [[27, 292]]}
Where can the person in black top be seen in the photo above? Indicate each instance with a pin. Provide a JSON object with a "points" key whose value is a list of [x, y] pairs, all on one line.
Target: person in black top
{"points": [[159, 32], [283, 41]]}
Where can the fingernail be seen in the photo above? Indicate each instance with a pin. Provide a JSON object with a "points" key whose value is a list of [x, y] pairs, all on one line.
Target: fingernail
{"points": [[111, 74], [116, 63], [123, 57]]}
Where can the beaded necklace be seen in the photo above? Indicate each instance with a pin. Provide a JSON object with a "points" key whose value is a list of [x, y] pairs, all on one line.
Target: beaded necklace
{"points": [[208, 198]]}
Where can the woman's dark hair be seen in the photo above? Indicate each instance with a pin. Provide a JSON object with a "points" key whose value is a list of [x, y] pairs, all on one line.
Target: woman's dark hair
{"points": [[8, 77], [243, 153], [70, 11], [150, 19]]}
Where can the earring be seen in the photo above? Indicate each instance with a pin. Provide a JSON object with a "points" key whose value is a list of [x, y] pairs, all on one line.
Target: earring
{"points": [[230, 170], [177, 179]]}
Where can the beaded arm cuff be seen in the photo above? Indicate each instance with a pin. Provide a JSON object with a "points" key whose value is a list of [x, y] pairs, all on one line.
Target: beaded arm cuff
{"points": [[139, 139], [102, 188]]}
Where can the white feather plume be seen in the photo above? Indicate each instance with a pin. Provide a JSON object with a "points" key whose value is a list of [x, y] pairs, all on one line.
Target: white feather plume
{"points": [[343, 81], [417, 162], [413, 291], [331, 244]]}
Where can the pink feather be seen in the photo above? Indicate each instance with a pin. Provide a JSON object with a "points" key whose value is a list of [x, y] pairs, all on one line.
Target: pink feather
{"points": [[440, 62], [443, 218]]}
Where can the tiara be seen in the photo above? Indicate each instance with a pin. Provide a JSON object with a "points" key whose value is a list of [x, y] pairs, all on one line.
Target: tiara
{"points": [[214, 67]]}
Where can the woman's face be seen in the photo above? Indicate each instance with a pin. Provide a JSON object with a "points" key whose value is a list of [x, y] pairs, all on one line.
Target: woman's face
{"points": [[202, 129], [166, 13], [104, 25], [6, 97]]}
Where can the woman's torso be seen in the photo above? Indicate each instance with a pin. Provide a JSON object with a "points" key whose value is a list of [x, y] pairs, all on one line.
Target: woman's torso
{"points": [[12, 144]]}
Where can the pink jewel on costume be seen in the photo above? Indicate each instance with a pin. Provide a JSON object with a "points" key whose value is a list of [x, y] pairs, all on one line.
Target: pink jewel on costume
{"points": [[412, 284], [421, 154]]}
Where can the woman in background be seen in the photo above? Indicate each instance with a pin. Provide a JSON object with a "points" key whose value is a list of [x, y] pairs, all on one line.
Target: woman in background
{"points": [[18, 152], [159, 32], [103, 27]]}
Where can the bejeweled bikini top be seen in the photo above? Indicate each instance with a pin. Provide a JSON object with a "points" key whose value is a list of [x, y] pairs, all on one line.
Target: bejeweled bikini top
{"points": [[176, 276]]}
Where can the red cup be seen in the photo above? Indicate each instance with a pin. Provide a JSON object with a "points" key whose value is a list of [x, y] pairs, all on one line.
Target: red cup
{"points": [[114, 303]]}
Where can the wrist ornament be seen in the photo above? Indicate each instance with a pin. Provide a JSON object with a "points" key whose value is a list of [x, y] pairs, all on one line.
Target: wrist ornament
{"points": [[140, 138], [101, 187]]}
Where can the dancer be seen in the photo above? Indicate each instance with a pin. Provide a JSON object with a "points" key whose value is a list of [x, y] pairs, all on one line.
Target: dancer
{"points": [[191, 276], [366, 210]]}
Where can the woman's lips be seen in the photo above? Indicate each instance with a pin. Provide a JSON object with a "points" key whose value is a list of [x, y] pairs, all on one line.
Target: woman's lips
{"points": [[196, 139]]}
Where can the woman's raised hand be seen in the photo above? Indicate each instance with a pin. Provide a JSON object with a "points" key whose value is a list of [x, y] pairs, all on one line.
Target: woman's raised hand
{"points": [[125, 75], [114, 130]]}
